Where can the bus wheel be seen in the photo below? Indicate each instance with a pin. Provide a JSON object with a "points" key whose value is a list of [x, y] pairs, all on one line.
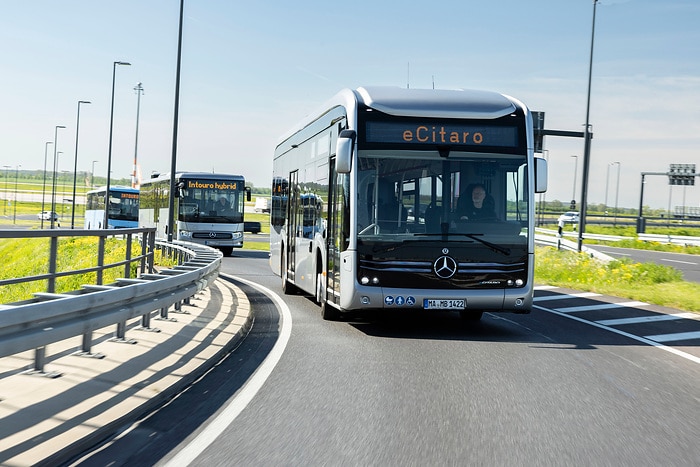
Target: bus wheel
{"points": [[327, 312], [471, 315], [227, 250], [287, 287]]}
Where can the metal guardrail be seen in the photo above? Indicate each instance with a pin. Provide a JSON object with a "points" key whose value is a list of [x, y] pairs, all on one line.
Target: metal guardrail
{"points": [[550, 237], [660, 238], [51, 317]]}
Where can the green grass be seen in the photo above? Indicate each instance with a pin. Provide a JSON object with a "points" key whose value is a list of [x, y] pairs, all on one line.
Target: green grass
{"points": [[647, 282]]}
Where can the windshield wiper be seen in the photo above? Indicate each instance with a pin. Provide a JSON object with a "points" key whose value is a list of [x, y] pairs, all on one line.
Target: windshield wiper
{"points": [[493, 246], [473, 236]]}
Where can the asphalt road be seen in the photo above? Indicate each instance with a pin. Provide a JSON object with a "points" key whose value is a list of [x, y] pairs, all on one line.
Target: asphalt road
{"points": [[689, 265], [556, 387]]}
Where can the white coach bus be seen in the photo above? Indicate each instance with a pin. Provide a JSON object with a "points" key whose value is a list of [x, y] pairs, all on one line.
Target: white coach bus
{"points": [[422, 199]]}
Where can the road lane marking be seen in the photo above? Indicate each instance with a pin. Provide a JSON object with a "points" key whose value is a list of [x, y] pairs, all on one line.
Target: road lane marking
{"points": [[678, 336], [606, 306], [678, 261], [562, 297], [647, 319], [643, 340], [226, 417]]}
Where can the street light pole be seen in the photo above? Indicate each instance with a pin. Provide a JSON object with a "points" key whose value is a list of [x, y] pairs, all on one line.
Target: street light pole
{"points": [[139, 91], [75, 163], [7, 197], [92, 175], [109, 153], [173, 158], [55, 184], [586, 143], [43, 190], [607, 177], [573, 196], [617, 192], [55, 155], [14, 216]]}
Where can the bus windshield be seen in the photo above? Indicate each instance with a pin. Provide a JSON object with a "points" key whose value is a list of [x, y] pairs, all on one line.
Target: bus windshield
{"points": [[420, 195], [211, 202]]}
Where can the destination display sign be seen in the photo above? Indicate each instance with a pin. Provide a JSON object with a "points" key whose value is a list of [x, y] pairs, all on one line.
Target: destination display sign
{"points": [[437, 133], [211, 185]]}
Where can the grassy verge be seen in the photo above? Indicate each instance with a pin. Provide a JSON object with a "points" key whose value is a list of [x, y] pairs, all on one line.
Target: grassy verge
{"points": [[647, 282], [73, 253]]}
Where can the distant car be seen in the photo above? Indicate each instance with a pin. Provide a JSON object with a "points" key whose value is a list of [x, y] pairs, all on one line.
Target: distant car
{"points": [[46, 215], [570, 216], [252, 227]]}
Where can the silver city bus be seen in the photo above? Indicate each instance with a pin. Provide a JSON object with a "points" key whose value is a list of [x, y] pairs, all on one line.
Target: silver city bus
{"points": [[391, 198]]}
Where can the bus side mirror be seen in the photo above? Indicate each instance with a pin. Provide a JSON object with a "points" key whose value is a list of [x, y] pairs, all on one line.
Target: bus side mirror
{"points": [[178, 189], [343, 151], [247, 193], [540, 175]]}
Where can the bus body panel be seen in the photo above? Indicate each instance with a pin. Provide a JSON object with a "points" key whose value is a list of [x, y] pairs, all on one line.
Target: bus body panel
{"points": [[427, 147]]}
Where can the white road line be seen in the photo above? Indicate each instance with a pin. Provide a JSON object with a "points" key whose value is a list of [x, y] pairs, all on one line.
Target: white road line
{"points": [[606, 306], [212, 431], [545, 287], [643, 340], [677, 261], [646, 319], [562, 297], [678, 336], [614, 253]]}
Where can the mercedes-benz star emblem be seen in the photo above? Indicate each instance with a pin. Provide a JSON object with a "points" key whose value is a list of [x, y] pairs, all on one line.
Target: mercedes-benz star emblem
{"points": [[212, 234], [445, 267]]}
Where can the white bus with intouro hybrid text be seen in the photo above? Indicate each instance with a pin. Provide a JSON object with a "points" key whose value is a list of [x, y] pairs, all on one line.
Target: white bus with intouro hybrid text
{"points": [[209, 208]]}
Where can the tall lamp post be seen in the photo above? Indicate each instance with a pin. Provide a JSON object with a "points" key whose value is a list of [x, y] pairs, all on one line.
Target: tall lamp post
{"points": [[7, 198], [586, 143], [14, 216], [92, 175], [607, 177], [43, 190], [55, 184], [573, 196], [139, 91], [55, 156], [75, 163], [109, 153], [617, 191]]}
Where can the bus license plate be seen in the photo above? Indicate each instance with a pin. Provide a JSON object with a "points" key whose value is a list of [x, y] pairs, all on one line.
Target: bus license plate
{"points": [[435, 304]]}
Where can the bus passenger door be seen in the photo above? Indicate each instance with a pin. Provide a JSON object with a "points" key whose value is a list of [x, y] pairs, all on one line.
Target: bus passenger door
{"points": [[334, 234], [293, 216]]}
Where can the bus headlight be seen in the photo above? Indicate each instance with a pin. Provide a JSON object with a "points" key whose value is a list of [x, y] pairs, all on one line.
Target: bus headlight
{"points": [[185, 233], [237, 235]]}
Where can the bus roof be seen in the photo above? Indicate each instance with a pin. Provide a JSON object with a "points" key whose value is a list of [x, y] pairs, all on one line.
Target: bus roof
{"points": [[435, 103]]}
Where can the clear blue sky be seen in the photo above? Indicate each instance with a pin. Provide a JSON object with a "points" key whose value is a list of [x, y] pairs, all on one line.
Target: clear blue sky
{"points": [[250, 70]]}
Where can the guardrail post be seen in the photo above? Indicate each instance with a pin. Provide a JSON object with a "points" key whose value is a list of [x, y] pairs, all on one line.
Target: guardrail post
{"points": [[39, 362], [86, 347], [100, 258], [121, 334], [53, 254], [127, 265]]}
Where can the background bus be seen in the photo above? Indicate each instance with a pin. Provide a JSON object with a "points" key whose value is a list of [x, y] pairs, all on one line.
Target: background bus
{"points": [[123, 208], [372, 205], [209, 208]]}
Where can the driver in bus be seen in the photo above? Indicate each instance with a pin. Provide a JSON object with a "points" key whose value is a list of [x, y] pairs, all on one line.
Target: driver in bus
{"points": [[222, 206]]}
